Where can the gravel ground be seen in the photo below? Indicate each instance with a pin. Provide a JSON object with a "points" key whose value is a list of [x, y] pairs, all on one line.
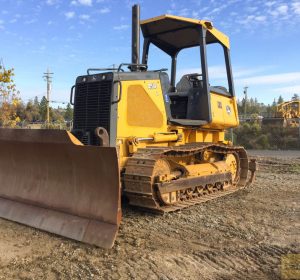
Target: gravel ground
{"points": [[240, 236]]}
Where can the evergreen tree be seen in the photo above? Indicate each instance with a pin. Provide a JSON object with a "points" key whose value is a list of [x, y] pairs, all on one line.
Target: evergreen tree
{"points": [[273, 107], [43, 108], [68, 113], [36, 101], [32, 111], [280, 100], [295, 97]]}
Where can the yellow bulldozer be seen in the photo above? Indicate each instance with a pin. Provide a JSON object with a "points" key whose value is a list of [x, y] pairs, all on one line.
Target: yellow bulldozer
{"points": [[287, 115], [136, 133]]}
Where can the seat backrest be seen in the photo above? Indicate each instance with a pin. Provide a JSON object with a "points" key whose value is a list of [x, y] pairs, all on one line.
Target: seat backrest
{"points": [[195, 103], [184, 84], [193, 87], [188, 101]]}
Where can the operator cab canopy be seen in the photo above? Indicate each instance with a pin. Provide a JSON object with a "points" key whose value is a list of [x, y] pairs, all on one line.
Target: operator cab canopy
{"points": [[172, 34], [190, 102]]}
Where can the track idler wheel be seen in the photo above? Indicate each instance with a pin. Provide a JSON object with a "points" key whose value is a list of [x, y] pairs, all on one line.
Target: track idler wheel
{"points": [[233, 163], [162, 172]]}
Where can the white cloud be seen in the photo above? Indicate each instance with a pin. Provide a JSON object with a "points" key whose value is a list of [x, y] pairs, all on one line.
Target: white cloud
{"points": [[82, 2], [104, 11], [121, 27], [288, 89], [84, 17], [183, 12], [216, 10], [70, 15], [219, 8], [182, 72], [281, 83], [296, 7], [215, 72], [1, 22], [283, 9], [195, 14], [281, 78], [86, 2], [260, 18], [253, 18], [239, 72], [219, 71], [52, 2], [270, 3]]}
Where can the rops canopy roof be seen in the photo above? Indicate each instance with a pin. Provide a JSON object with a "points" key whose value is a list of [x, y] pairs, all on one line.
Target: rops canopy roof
{"points": [[172, 33]]}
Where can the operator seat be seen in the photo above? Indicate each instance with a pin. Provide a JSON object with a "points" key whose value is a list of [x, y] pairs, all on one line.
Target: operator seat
{"points": [[186, 102]]}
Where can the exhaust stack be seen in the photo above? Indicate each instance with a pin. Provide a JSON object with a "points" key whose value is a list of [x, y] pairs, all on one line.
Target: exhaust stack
{"points": [[135, 45]]}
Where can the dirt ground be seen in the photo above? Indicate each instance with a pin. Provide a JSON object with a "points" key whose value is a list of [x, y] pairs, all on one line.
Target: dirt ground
{"points": [[240, 236]]}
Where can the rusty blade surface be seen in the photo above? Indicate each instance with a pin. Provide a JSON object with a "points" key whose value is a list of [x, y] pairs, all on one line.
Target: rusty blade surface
{"points": [[50, 181]]}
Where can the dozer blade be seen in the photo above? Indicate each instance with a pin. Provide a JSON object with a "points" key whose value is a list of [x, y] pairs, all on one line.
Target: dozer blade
{"points": [[50, 181]]}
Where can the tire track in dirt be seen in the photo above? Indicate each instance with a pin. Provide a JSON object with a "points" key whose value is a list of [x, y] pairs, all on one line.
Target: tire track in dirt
{"points": [[244, 263]]}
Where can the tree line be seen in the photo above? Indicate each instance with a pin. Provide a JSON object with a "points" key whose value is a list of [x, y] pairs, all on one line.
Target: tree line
{"points": [[14, 112], [251, 106], [253, 135]]}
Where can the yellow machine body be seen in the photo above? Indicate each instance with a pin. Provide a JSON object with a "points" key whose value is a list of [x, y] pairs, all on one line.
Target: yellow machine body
{"points": [[288, 109], [142, 115], [287, 115]]}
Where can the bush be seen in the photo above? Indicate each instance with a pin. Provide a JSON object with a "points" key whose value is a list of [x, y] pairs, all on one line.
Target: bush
{"points": [[253, 136]]}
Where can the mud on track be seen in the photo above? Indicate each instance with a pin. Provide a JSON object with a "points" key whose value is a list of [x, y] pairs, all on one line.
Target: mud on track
{"points": [[241, 236]]}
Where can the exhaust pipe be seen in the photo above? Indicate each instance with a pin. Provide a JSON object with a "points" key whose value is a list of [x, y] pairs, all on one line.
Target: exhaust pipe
{"points": [[135, 44]]}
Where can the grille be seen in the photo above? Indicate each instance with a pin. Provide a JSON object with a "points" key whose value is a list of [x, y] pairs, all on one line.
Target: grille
{"points": [[91, 110]]}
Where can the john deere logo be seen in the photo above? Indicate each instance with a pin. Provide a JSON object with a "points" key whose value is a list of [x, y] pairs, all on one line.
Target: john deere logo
{"points": [[228, 109]]}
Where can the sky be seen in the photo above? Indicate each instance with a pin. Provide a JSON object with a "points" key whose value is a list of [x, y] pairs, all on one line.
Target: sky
{"points": [[69, 36]]}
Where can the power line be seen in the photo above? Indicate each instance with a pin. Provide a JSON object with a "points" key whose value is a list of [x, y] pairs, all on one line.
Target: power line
{"points": [[60, 102]]}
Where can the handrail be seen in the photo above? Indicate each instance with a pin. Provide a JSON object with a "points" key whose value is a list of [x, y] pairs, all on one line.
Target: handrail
{"points": [[101, 69], [71, 95], [120, 95], [130, 65]]}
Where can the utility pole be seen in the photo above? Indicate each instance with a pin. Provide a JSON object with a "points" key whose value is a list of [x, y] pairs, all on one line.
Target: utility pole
{"points": [[245, 104], [48, 78]]}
